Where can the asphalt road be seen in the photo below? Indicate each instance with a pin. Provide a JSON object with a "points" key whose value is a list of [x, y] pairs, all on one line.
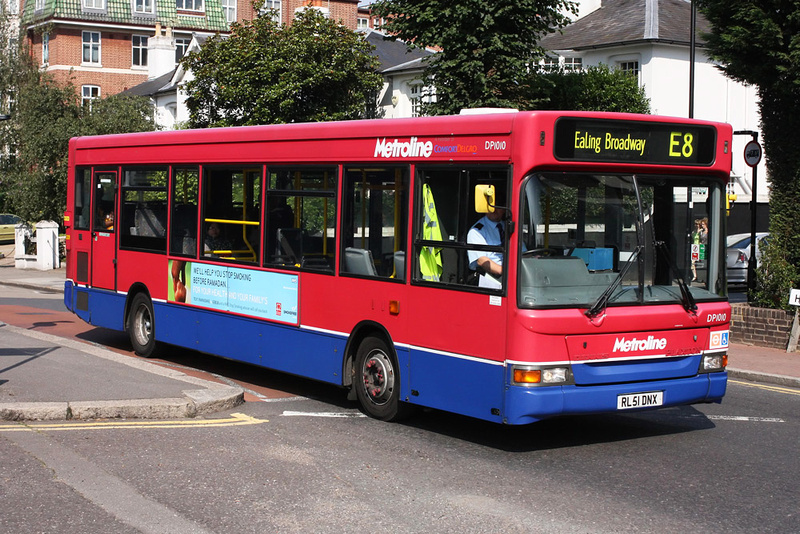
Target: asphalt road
{"points": [[301, 458]]}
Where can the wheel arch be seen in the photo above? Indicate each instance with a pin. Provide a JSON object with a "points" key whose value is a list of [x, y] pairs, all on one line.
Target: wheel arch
{"points": [[135, 289], [361, 331]]}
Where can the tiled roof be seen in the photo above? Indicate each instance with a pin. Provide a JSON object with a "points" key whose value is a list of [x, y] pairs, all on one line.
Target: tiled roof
{"points": [[630, 21], [121, 12], [392, 53], [162, 84]]}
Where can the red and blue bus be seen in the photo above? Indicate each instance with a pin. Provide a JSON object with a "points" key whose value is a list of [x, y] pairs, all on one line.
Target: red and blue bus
{"points": [[341, 252]]}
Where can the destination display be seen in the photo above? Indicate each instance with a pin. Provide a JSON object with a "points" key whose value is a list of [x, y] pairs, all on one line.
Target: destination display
{"points": [[578, 139]]}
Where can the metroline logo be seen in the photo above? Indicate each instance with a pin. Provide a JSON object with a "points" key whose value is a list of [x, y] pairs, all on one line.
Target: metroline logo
{"points": [[403, 149], [635, 344]]}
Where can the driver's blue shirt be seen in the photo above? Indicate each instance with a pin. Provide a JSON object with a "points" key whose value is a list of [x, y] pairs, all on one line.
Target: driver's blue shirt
{"points": [[485, 232]]}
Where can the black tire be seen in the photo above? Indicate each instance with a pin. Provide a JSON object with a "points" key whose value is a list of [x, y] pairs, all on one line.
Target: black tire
{"points": [[377, 381], [141, 326]]}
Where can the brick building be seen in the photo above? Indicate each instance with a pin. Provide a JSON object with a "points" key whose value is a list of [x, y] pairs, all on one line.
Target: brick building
{"points": [[102, 45]]}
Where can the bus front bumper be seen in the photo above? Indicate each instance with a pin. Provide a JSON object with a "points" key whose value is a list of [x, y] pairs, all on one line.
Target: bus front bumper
{"points": [[525, 405]]}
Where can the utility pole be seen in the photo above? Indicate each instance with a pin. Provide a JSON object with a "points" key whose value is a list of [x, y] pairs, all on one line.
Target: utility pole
{"points": [[752, 156], [692, 39]]}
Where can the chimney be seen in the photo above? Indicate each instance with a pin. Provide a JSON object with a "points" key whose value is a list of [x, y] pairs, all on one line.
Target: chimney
{"points": [[160, 53]]}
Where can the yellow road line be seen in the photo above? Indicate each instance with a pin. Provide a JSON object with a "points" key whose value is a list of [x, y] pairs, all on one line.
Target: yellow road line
{"points": [[236, 419], [764, 386]]}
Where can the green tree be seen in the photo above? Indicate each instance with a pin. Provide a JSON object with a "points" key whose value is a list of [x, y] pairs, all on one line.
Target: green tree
{"points": [[487, 46], [758, 43], [312, 70], [44, 116], [597, 88]]}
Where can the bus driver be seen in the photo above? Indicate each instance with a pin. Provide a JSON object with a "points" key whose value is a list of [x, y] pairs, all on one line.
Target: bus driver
{"points": [[489, 230]]}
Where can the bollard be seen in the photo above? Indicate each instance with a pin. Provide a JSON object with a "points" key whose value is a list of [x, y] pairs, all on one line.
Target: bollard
{"points": [[47, 256], [22, 260]]}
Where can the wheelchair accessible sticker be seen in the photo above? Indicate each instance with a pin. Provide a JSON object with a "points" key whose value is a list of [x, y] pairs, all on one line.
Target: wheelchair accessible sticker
{"points": [[719, 340]]}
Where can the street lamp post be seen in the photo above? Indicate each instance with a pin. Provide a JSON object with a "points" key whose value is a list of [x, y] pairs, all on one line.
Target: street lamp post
{"points": [[692, 45], [751, 263]]}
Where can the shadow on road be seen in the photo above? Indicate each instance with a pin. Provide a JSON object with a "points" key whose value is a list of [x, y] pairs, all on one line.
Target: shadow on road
{"points": [[561, 432]]}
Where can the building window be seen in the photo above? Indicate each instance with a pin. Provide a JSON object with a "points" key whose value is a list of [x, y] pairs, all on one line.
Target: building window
{"points": [[362, 23], [94, 4], [45, 48], [419, 95], [631, 67], [181, 46], [275, 7], [573, 63], [38, 6], [550, 64], [139, 47], [89, 93], [229, 9], [190, 5], [146, 7], [91, 48]]}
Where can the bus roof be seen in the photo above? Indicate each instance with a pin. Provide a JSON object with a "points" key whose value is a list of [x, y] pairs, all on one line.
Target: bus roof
{"points": [[528, 138], [450, 125]]}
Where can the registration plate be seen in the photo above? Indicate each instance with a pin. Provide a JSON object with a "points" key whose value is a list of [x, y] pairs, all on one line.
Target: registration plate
{"points": [[640, 400]]}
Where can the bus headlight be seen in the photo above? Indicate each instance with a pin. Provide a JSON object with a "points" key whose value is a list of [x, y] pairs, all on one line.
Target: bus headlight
{"points": [[555, 375], [523, 375], [713, 362]]}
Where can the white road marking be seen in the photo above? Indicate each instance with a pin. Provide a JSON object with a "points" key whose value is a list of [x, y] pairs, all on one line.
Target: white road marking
{"points": [[290, 413], [743, 418]]}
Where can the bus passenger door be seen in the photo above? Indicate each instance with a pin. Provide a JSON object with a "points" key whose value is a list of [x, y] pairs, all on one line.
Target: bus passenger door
{"points": [[103, 250]]}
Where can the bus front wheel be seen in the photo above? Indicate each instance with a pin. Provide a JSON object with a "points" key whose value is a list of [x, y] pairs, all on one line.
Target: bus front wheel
{"points": [[141, 326], [377, 381]]}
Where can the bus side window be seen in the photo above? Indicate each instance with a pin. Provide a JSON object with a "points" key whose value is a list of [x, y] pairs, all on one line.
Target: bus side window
{"points": [[374, 221], [143, 217], [232, 212], [445, 213], [300, 230], [184, 201], [83, 191]]}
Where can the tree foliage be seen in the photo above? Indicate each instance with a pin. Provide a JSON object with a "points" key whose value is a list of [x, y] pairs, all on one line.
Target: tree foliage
{"points": [[44, 116], [758, 43], [487, 46], [312, 70], [599, 88]]}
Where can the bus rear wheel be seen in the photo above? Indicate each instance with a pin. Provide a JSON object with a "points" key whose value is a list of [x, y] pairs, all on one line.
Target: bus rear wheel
{"points": [[141, 326], [377, 381]]}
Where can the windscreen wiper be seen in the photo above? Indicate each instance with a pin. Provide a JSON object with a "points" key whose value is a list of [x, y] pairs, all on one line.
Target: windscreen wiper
{"points": [[602, 301], [689, 304]]}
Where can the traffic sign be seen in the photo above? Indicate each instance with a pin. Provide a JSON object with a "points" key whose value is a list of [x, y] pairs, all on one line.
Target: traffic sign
{"points": [[752, 153], [794, 297]]}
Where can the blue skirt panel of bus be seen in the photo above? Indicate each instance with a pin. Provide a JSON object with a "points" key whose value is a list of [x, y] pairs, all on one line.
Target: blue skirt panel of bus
{"points": [[529, 404], [102, 308], [461, 385], [68, 285], [635, 370], [276, 346]]}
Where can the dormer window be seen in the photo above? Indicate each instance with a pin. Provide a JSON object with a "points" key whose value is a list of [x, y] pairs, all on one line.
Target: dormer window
{"points": [[190, 5], [144, 7], [93, 5]]}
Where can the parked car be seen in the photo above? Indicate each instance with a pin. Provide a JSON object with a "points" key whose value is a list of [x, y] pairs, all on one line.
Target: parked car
{"points": [[739, 255], [7, 224]]}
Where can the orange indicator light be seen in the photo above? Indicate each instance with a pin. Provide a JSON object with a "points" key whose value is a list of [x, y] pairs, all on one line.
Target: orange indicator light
{"points": [[527, 376]]}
